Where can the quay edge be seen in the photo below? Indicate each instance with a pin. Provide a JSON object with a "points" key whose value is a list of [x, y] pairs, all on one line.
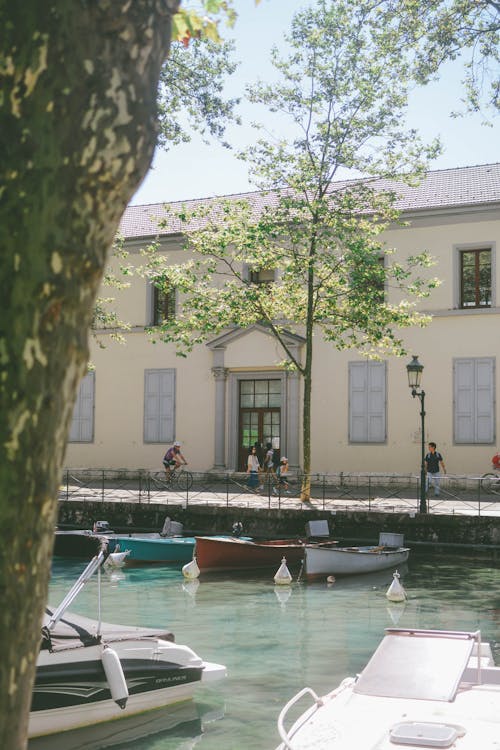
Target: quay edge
{"points": [[422, 530]]}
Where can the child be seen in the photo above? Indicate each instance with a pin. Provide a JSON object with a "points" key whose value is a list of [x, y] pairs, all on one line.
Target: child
{"points": [[280, 472]]}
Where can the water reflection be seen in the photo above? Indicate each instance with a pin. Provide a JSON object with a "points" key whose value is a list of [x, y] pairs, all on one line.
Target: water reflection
{"points": [[276, 639], [180, 722]]}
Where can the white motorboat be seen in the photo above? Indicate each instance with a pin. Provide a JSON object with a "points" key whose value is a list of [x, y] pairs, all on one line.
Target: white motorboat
{"points": [[420, 689], [327, 558], [89, 671]]}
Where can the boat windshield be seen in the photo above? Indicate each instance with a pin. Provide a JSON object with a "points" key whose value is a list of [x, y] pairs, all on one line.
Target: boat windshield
{"points": [[425, 665]]}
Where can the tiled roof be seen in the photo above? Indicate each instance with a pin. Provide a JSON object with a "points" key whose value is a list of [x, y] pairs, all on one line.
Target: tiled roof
{"points": [[440, 189]]}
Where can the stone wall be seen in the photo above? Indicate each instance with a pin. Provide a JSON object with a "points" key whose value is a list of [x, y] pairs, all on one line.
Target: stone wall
{"points": [[347, 526]]}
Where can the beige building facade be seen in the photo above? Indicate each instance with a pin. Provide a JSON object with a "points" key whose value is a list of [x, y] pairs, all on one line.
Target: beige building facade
{"points": [[232, 391]]}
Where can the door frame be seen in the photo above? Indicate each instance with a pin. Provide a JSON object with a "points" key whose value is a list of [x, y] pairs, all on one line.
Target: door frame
{"points": [[234, 409]]}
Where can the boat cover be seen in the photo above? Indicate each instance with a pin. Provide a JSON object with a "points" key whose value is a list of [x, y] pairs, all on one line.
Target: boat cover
{"points": [[76, 631], [426, 665]]}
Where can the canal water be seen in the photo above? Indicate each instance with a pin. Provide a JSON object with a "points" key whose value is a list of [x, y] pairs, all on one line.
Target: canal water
{"points": [[276, 640]]}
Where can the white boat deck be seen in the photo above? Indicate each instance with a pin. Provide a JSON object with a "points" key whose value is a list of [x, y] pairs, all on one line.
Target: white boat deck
{"points": [[421, 689]]}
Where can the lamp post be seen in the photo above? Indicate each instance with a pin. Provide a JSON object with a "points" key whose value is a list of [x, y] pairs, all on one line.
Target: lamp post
{"points": [[414, 370]]}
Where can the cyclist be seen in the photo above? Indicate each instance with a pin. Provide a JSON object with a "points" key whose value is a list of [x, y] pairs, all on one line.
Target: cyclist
{"points": [[173, 459]]}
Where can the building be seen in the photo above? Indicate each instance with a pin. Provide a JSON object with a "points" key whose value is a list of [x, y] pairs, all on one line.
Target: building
{"points": [[140, 396]]}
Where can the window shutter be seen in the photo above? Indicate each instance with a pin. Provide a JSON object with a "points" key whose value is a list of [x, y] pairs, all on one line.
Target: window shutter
{"points": [[474, 400], [376, 402], [82, 425], [485, 401], [367, 402], [159, 405]]}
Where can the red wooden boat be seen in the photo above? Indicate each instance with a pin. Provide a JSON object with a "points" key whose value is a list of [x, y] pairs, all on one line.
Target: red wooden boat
{"points": [[216, 553]]}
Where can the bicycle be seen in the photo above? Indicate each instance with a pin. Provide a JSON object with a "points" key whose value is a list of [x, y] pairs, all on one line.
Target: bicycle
{"points": [[179, 479], [490, 482]]}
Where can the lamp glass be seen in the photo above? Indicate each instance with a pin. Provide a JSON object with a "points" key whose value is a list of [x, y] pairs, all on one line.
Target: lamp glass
{"points": [[414, 370]]}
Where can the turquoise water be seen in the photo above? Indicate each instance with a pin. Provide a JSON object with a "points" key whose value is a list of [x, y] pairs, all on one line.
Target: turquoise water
{"points": [[275, 640]]}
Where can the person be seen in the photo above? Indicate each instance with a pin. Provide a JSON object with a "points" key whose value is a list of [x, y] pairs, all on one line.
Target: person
{"points": [[282, 484], [433, 461], [260, 454], [269, 459], [253, 469], [173, 459]]}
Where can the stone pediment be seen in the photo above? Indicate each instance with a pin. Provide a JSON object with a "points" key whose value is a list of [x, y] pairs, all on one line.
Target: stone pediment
{"points": [[233, 334]]}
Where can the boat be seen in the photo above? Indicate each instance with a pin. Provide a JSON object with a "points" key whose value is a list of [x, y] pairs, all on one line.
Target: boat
{"points": [[420, 689], [219, 553], [327, 558], [153, 548], [167, 546], [82, 543], [90, 671]]}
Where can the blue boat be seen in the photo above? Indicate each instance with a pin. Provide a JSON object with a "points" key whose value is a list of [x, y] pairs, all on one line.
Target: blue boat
{"points": [[153, 548]]}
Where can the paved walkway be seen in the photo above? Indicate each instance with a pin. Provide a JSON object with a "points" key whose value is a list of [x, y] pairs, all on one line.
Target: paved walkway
{"points": [[239, 496]]}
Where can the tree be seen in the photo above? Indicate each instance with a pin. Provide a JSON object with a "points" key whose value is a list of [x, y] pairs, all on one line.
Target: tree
{"points": [[78, 124], [342, 88], [435, 31]]}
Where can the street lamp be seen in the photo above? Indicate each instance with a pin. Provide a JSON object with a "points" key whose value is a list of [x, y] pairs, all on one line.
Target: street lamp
{"points": [[414, 370]]}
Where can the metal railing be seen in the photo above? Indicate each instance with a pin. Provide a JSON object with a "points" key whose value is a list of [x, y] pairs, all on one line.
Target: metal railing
{"points": [[342, 490]]}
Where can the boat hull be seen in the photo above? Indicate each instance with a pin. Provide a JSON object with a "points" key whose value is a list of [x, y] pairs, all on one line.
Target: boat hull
{"points": [[72, 691], [83, 544], [214, 554], [156, 549], [323, 560]]}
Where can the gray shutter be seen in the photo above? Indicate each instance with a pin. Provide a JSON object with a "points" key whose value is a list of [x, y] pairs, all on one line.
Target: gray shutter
{"points": [[485, 400], [367, 402], [376, 402], [82, 425], [159, 405], [474, 400]]}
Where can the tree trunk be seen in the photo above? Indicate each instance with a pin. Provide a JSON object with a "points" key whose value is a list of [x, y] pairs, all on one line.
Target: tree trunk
{"points": [[77, 119], [305, 493]]}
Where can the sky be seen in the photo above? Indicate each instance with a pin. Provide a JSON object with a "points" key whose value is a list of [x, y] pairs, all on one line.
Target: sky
{"points": [[198, 170]]}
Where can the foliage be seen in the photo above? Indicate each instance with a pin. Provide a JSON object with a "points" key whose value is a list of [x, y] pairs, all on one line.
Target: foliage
{"points": [[435, 31], [104, 317], [343, 87], [190, 95]]}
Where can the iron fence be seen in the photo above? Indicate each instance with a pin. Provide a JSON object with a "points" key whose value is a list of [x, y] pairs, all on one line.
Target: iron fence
{"points": [[335, 491]]}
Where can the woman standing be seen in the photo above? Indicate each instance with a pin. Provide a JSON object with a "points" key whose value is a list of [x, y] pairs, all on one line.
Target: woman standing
{"points": [[253, 469]]}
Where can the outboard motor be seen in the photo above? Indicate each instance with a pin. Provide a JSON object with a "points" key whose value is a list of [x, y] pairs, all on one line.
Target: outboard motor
{"points": [[101, 527]]}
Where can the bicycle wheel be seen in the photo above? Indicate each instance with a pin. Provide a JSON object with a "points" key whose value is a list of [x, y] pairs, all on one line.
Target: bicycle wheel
{"points": [[184, 480], [490, 483]]}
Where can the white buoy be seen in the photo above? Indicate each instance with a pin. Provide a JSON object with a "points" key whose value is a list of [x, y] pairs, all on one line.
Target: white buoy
{"points": [[191, 570], [114, 674], [283, 577], [396, 592]]}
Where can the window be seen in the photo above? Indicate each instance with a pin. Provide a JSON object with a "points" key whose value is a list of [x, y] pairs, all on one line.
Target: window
{"points": [[262, 276], [164, 304], [475, 278], [82, 426], [159, 405], [367, 402], [474, 400]]}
